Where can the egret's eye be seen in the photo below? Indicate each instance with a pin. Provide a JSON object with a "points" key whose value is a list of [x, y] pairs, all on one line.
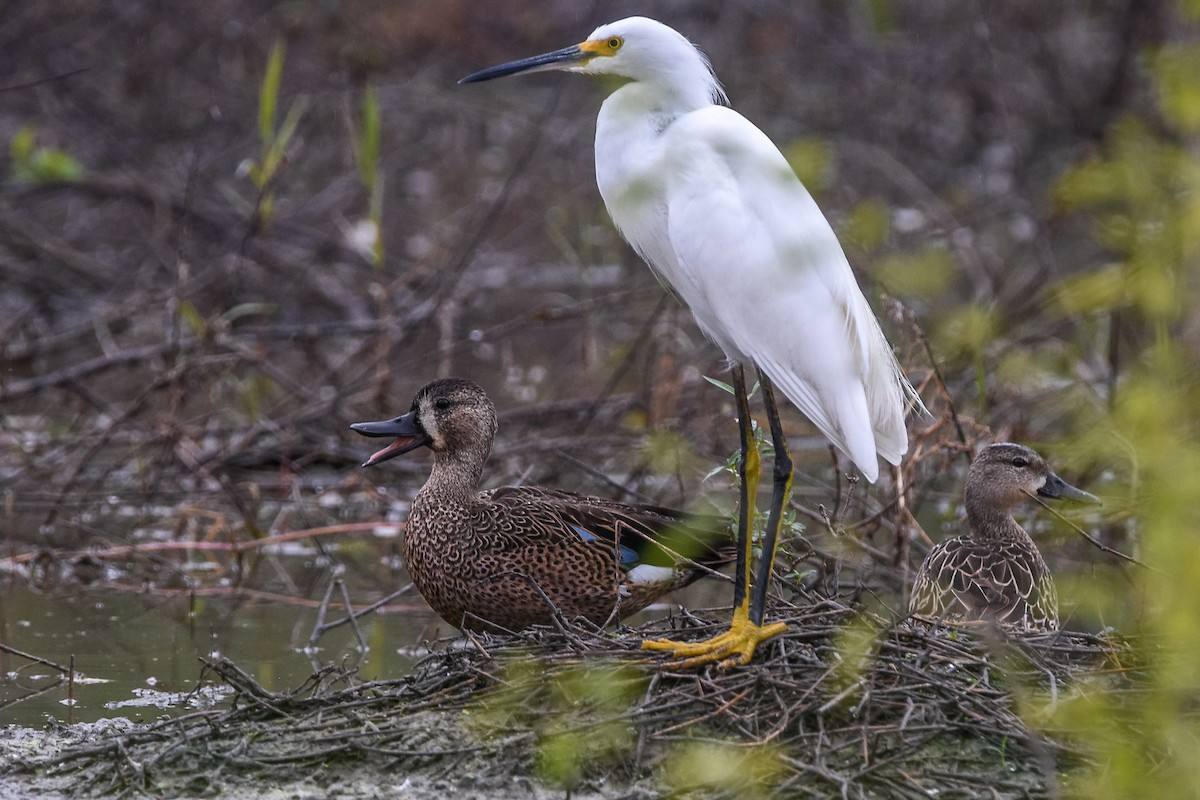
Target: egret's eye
{"points": [[441, 404], [1020, 461], [615, 43]]}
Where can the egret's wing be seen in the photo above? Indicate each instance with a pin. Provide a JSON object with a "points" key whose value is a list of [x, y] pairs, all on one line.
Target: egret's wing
{"points": [[766, 277]]}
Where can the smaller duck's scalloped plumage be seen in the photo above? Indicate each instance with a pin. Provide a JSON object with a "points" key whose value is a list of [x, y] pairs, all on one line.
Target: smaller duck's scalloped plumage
{"points": [[507, 557], [995, 572]]}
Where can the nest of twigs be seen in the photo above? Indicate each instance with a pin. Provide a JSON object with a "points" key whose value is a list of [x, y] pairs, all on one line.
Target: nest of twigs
{"points": [[847, 703]]}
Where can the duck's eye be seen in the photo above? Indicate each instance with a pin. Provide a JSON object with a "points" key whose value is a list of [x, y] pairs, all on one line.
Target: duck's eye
{"points": [[615, 43], [1020, 461], [441, 404]]}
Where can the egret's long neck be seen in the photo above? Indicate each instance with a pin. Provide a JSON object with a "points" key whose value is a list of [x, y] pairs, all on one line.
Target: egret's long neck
{"points": [[628, 128], [655, 102]]}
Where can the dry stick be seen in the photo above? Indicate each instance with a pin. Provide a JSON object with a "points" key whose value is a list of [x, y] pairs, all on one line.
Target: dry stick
{"points": [[1095, 542], [162, 563], [358, 634], [353, 614], [73, 268], [595, 473], [937, 372], [66, 338], [12, 701], [71, 690], [216, 220], [76, 372], [705, 716], [321, 611], [37, 659], [39, 81], [639, 751]]}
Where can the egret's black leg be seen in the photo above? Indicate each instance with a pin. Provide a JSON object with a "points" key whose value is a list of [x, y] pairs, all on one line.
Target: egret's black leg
{"points": [[737, 645], [749, 470], [781, 490]]}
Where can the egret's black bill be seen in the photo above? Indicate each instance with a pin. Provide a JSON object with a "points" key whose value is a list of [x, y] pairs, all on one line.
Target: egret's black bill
{"points": [[568, 55]]}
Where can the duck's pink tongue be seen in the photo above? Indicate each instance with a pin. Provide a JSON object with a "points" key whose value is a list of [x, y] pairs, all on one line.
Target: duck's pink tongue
{"points": [[399, 444]]}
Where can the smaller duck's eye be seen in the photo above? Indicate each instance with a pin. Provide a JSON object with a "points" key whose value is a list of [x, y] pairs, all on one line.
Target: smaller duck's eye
{"points": [[615, 43], [441, 404], [1020, 461]]}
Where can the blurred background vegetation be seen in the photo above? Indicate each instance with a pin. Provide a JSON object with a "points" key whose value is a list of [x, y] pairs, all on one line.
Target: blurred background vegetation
{"points": [[229, 229]]}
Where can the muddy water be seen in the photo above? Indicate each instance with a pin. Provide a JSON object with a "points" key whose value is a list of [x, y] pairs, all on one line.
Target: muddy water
{"points": [[134, 653]]}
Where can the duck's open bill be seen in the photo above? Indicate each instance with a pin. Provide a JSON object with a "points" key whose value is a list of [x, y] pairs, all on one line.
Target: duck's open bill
{"points": [[408, 433]]}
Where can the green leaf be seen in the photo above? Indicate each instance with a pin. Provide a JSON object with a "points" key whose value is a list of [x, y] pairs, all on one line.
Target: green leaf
{"points": [[719, 384], [22, 144], [713, 768], [1088, 184], [192, 318], [1176, 69], [366, 149], [812, 160], [925, 274], [882, 16], [667, 452], [966, 331], [559, 757], [268, 96], [867, 226], [247, 310], [277, 148], [1090, 292], [266, 210], [857, 645], [33, 164], [54, 166]]}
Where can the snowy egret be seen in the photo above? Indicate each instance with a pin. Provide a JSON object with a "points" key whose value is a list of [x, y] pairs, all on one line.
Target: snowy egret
{"points": [[714, 208], [994, 571]]}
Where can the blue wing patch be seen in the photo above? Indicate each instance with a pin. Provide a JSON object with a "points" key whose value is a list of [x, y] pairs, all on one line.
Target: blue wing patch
{"points": [[629, 556]]}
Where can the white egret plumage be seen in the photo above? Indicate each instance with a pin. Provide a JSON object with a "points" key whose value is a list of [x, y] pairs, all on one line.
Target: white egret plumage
{"points": [[715, 209]]}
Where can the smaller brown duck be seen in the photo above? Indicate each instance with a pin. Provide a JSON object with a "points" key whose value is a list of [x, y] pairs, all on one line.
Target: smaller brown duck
{"points": [[508, 557], [995, 572]]}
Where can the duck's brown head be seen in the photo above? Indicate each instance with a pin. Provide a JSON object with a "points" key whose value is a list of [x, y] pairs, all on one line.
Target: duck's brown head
{"points": [[449, 416], [1004, 474]]}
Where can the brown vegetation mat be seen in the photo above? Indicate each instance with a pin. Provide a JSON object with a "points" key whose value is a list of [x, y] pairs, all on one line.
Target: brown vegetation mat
{"points": [[846, 703]]}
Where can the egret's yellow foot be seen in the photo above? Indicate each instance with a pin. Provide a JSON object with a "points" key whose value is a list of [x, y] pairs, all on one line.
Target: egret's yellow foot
{"points": [[735, 646]]}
